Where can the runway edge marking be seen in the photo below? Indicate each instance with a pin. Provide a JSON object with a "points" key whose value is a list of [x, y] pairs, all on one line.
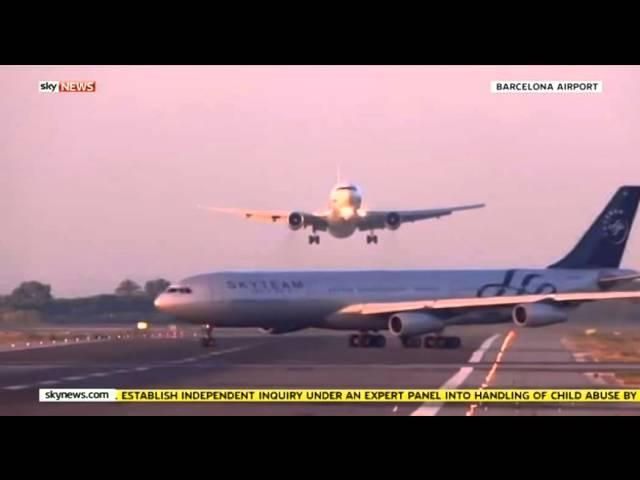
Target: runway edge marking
{"points": [[431, 409]]}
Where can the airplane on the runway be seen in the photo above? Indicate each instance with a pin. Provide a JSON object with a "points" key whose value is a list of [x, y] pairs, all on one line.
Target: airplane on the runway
{"points": [[345, 215], [412, 304]]}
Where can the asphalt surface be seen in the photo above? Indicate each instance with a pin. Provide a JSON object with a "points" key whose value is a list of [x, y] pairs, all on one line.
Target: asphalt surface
{"points": [[530, 359]]}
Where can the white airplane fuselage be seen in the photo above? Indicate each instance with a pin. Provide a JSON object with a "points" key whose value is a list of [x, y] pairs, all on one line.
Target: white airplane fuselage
{"points": [[314, 299]]}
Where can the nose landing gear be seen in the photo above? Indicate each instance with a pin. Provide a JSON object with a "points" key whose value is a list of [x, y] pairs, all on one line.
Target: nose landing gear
{"points": [[314, 239], [207, 340]]}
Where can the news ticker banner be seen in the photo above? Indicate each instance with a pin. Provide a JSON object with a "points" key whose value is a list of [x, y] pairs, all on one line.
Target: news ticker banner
{"points": [[341, 395]]}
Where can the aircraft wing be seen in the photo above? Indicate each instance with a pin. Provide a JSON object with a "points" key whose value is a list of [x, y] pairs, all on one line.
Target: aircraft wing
{"points": [[477, 302], [378, 219], [310, 219]]}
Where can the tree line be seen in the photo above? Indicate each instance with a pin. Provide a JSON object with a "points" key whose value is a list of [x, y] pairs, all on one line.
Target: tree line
{"points": [[38, 296]]}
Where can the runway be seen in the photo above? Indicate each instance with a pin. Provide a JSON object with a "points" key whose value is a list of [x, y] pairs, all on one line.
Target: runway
{"points": [[532, 358]]}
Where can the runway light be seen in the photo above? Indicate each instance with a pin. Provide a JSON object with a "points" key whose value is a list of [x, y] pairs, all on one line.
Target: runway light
{"points": [[590, 331], [13, 345], [28, 344], [142, 326]]}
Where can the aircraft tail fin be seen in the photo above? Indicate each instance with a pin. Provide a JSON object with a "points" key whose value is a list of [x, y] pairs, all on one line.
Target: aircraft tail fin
{"points": [[603, 245]]}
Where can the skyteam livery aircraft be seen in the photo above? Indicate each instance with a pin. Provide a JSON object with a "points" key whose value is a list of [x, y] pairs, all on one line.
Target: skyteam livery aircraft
{"points": [[411, 304], [345, 215]]}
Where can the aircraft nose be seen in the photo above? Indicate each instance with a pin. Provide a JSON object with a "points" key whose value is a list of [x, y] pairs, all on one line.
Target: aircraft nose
{"points": [[161, 302]]}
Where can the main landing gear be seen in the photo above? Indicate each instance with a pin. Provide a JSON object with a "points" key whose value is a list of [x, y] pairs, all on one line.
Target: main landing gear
{"points": [[432, 341], [367, 340], [372, 238], [207, 340], [314, 239]]}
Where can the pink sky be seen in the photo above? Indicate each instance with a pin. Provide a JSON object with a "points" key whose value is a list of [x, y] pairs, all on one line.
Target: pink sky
{"points": [[99, 187]]}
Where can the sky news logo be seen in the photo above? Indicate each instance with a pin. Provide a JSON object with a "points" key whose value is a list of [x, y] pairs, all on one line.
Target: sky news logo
{"points": [[67, 86]]}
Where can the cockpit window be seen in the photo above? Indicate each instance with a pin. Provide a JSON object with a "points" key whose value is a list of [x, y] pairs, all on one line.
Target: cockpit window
{"points": [[179, 290], [348, 187]]}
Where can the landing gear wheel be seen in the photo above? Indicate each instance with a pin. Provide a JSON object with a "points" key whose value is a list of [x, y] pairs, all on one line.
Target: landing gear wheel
{"points": [[366, 340], [379, 341], [411, 342], [431, 342], [372, 239], [442, 343], [453, 343], [314, 239]]}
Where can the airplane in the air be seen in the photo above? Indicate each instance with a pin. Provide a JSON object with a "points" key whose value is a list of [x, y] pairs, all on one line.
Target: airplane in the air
{"points": [[345, 215], [415, 305]]}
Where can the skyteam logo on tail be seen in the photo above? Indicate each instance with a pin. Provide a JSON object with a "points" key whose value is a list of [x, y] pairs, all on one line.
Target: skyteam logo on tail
{"points": [[530, 283], [615, 226]]}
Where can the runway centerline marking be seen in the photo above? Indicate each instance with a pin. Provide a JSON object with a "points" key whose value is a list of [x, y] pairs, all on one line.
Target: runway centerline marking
{"points": [[232, 350], [49, 382], [430, 409]]}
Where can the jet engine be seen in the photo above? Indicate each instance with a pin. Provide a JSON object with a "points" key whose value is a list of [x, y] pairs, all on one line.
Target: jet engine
{"points": [[538, 315], [296, 221], [413, 324], [393, 220]]}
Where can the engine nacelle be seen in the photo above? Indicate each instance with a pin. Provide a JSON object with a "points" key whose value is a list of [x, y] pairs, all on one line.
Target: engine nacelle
{"points": [[280, 330], [533, 315], [296, 221], [410, 324], [393, 220]]}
